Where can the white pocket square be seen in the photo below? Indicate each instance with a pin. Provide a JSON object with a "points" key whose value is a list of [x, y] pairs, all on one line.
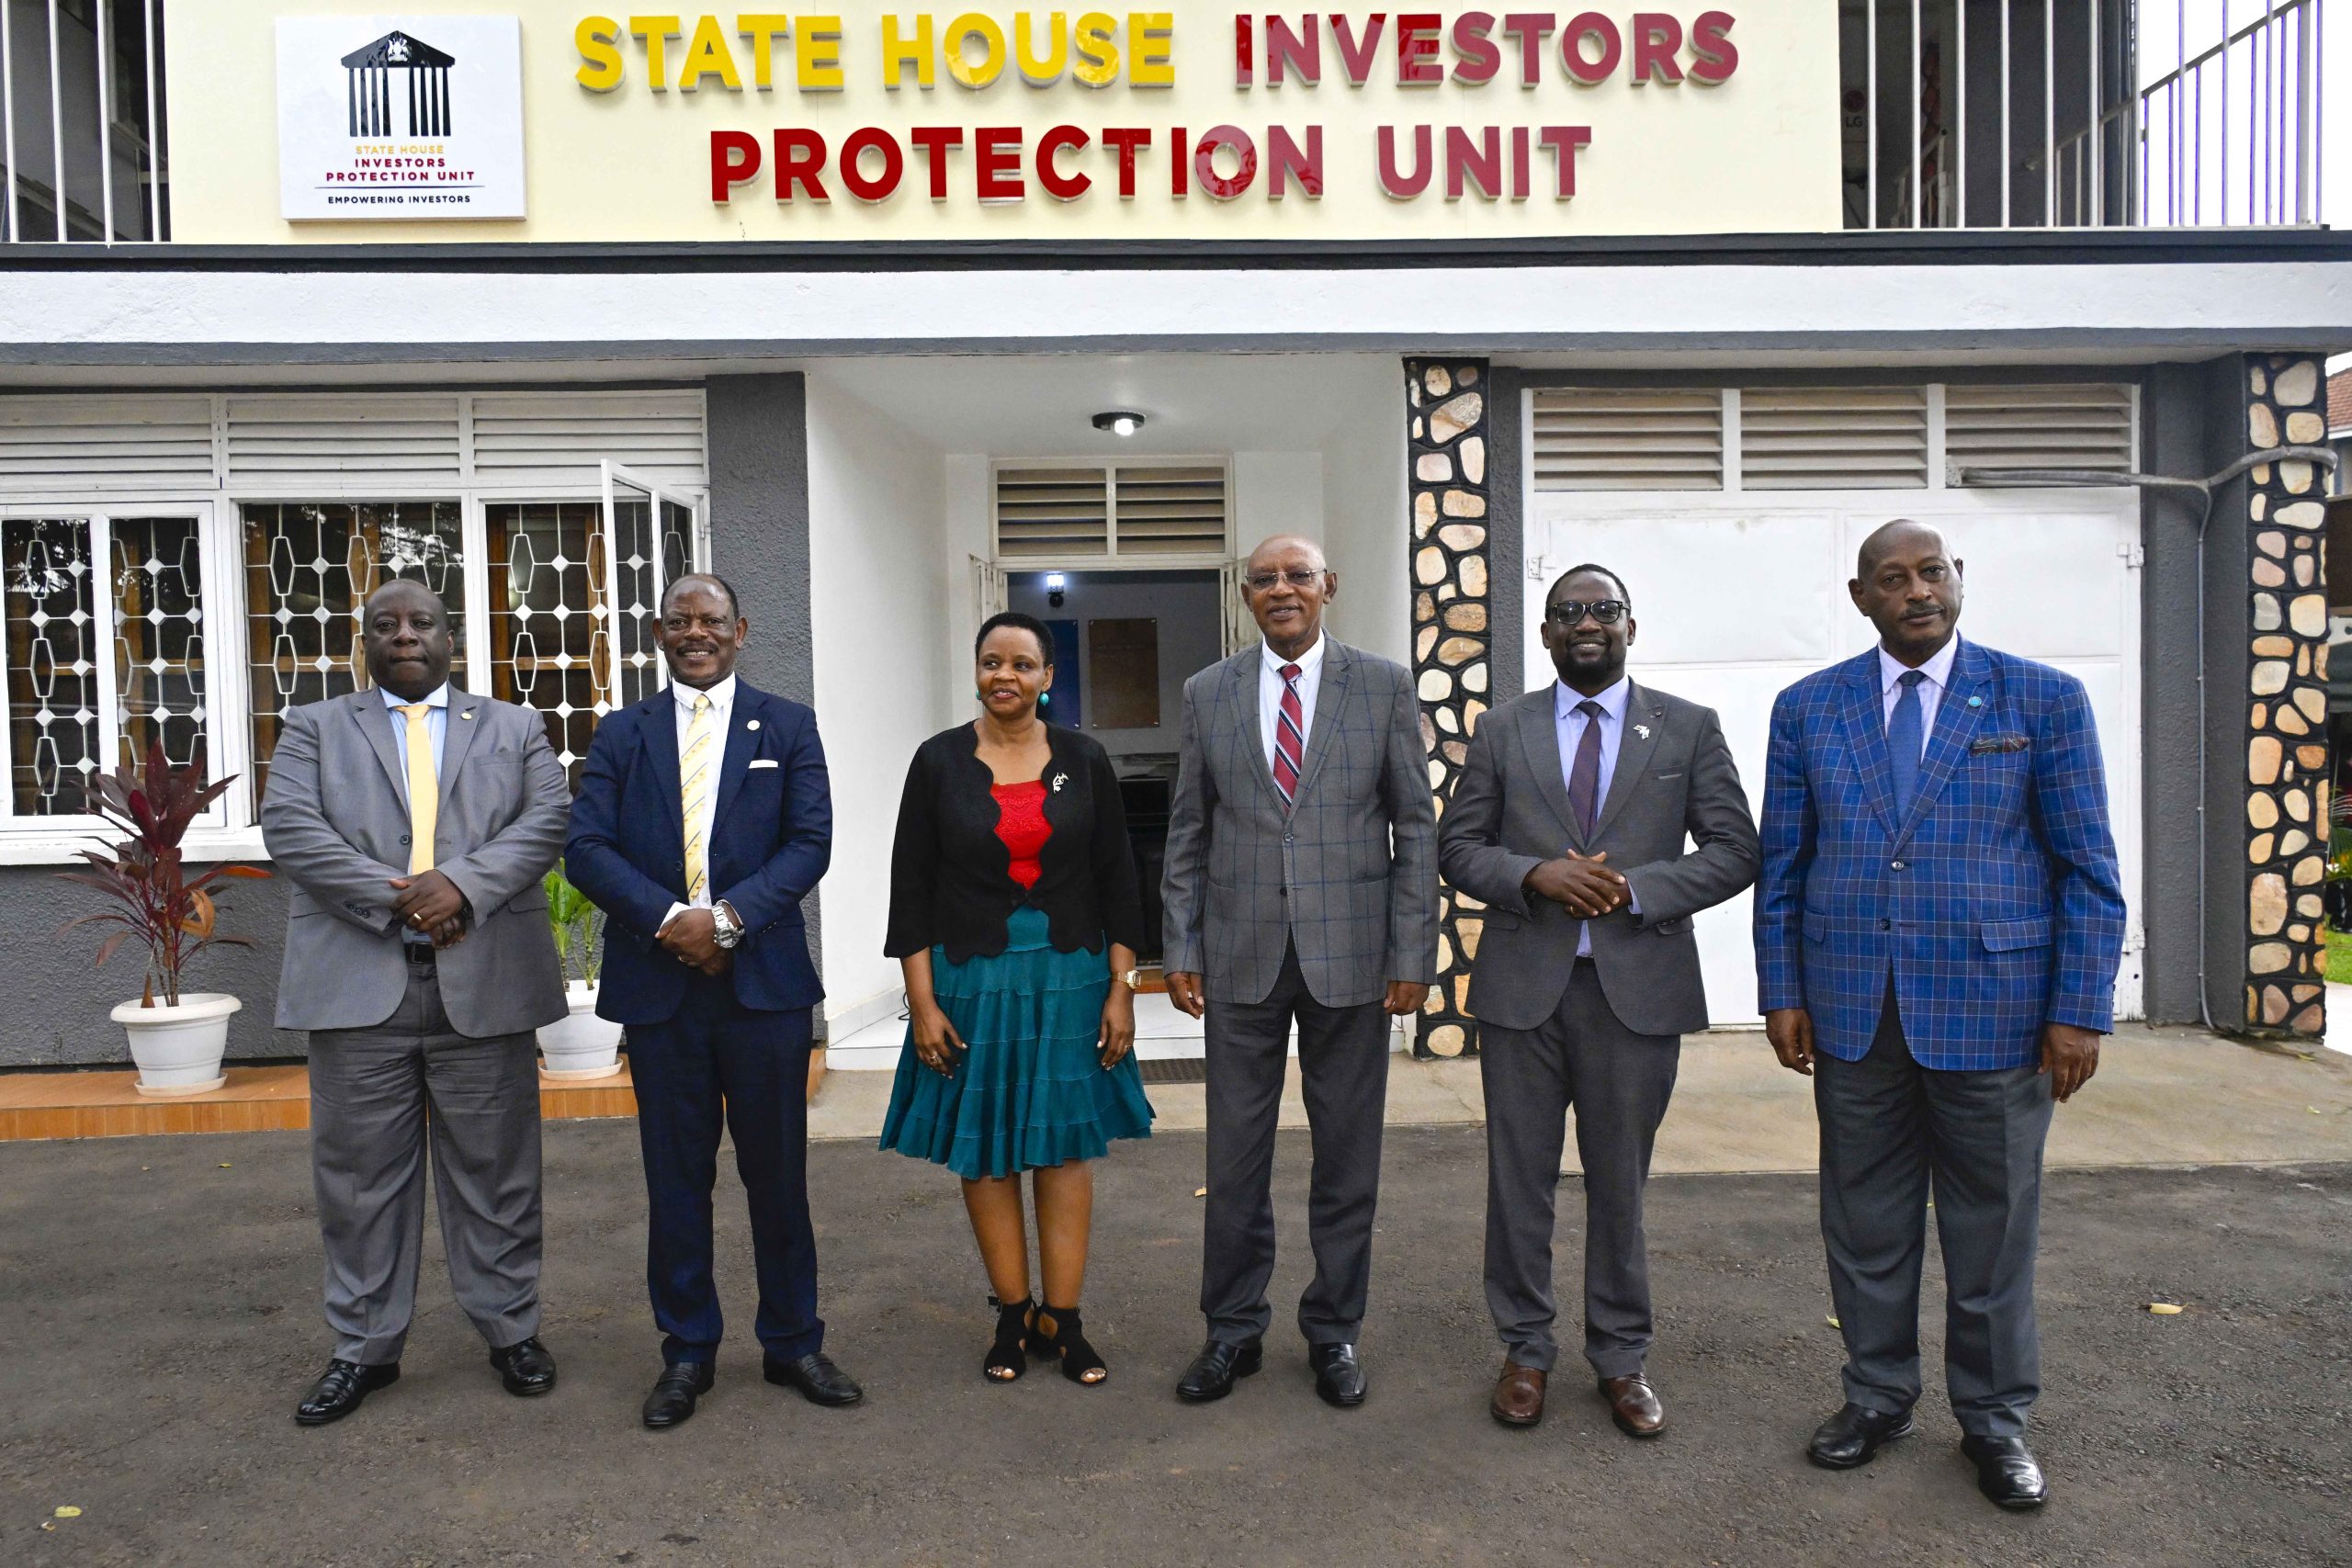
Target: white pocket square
{"points": [[765, 762]]}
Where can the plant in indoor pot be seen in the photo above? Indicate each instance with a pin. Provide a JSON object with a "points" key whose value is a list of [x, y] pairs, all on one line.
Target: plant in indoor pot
{"points": [[177, 1037], [579, 1045]]}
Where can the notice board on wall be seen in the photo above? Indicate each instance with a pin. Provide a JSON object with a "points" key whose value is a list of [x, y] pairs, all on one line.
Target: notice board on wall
{"points": [[1124, 657]]}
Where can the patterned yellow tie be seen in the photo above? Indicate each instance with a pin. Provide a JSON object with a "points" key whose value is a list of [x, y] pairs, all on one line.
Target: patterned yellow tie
{"points": [[424, 789], [694, 770]]}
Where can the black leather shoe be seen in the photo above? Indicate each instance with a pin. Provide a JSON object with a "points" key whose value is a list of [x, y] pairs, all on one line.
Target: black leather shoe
{"points": [[1213, 1371], [2007, 1471], [1852, 1438], [675, 1392], [819, 1380], [524, 1367], [341, 1388], [1338, 1376]]}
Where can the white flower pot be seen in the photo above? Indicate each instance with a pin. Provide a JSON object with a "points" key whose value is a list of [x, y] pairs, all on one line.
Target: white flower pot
{"points": [[582, 1045], [178, 1049]]}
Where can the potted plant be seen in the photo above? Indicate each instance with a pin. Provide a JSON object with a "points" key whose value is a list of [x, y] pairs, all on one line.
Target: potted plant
{"points": [[580, 1045], [177, 1037]]}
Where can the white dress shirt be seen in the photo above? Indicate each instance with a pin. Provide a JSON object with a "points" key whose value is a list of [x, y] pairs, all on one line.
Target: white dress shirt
{"points": [[697, 812], [1270, 694], [1568, 725], [1938, 671]]}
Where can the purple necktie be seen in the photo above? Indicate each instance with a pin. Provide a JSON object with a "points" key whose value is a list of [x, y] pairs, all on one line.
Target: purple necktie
{"points": [[1584, 775]]}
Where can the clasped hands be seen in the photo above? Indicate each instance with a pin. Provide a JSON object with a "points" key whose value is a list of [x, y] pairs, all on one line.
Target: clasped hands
{"points": [[692, 935], [430, 902], [1582, 885]]}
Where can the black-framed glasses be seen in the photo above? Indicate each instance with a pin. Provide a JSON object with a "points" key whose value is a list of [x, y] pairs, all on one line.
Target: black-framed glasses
{"points": [[1297, 577], [1569, 612]]}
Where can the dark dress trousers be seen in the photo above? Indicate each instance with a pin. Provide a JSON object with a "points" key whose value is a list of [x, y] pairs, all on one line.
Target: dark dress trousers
{"points": [[1600, 1034], [703, 1050], [1929, 945]]}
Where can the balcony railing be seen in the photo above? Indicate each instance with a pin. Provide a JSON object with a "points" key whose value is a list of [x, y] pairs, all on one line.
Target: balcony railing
{"points": [[81, 121], [2081, 113]]}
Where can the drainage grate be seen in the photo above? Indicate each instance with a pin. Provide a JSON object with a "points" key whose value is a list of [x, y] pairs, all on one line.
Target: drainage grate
{"points": [[1176, 1069]]}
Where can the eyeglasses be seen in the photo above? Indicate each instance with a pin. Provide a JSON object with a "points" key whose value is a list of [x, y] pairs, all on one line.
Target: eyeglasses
{"points": [[1297, 577], [1569, 612]]}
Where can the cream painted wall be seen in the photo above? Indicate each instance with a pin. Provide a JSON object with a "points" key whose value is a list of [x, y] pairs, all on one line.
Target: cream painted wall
{"points": [[1758, 153], [876, 515]]}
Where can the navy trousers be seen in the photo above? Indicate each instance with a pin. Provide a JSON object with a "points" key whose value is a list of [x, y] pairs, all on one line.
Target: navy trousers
{"points": [[718, 1060]]}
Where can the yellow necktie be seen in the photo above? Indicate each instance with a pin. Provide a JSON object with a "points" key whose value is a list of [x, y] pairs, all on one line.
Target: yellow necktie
{"points": [[693, 773], [424, 789]]}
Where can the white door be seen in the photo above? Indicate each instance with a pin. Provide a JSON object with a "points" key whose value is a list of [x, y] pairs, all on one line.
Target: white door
{"points": [[1735, 596]]}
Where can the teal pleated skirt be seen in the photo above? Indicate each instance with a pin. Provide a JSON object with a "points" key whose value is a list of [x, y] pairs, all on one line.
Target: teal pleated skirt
{"points": [[1030, 1089]]}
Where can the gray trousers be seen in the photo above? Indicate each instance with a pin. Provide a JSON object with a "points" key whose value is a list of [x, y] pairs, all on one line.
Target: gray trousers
{"points": [[1619, 1083], [1892, 1132], [377, 1097], [1343, 1068]]}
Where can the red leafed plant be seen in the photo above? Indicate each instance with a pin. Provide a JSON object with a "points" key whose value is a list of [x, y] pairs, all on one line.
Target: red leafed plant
{"points": [[174, 915]]}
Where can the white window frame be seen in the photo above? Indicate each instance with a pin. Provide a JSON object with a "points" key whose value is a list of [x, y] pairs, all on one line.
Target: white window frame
{"points": [[52, 840]]}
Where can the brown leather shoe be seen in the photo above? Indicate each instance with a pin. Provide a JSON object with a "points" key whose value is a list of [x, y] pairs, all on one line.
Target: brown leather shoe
{"points": [[1634, 1406], [1519, 1396]]}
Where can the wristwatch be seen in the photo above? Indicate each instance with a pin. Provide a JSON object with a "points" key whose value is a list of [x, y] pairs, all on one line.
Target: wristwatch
{"points": [[726, 930], [1131, 978]]}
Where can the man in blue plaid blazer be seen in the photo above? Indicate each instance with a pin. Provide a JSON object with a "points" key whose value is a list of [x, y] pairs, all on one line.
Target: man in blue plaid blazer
{"points": [[1938, 927], [1300, 892]]}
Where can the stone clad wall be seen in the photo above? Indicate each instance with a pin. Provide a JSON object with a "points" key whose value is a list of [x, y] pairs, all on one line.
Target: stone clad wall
{"points": [[1447, 417], [2286, 754]]}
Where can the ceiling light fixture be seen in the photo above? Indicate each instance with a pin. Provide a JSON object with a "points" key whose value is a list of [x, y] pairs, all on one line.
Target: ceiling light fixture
{"points": [[1119, 422]]}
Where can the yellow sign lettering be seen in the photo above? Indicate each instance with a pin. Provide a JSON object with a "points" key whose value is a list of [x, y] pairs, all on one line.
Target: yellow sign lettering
{"points": [[817, 59], [707, 56], [763, 29], [655, 33], [597, 38]]}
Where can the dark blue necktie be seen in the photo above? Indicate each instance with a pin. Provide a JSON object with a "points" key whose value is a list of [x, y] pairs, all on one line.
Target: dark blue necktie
{"points": [[1906, 738]]}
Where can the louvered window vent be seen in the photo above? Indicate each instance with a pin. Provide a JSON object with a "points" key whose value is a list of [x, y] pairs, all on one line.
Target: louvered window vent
{"points": [[1593, 439], [1079, 511]]}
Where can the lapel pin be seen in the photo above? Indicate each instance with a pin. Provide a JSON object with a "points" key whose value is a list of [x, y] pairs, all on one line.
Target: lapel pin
{"points": [[752, 724], [1976, 702], [1643, 730], [466, 713], [1059, 780]]}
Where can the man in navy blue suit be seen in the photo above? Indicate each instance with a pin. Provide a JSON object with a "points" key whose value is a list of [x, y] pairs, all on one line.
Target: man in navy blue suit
{"points": [[704, 817], [1937, 928]]}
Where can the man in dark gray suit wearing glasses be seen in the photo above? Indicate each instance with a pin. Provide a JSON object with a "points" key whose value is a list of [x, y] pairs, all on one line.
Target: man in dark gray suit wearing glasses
{"points": [[1301, 889], [1569, 823]]}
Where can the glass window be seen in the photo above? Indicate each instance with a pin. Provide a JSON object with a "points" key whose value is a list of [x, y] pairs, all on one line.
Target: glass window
{"points": [[309, 568]]}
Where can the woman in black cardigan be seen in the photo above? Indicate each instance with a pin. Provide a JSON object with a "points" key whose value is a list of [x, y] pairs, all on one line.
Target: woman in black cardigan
{"points": [[1010, 876]]}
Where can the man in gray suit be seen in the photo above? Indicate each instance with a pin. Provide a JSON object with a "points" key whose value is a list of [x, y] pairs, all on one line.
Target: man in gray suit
{"points": [[416, 822], [1301, 889], [1568, 822]]}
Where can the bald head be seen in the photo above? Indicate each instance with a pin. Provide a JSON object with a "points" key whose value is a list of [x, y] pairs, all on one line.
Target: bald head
{"points": [[405, 632], [1283, 546], [1908, 584], [1887, 535]]}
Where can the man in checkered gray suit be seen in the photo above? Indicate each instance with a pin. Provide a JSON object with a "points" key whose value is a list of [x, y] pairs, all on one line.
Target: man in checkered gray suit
{"points": [[1301, 890], [1938, 922]]}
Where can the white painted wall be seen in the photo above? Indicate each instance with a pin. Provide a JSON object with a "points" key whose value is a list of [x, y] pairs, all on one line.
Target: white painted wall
{"points": [[1364, 511], [877, 514]]}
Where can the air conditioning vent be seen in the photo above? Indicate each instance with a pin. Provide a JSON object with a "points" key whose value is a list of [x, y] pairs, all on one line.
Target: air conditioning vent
{"points": [[1171, 511], [556, 438], [1081, 511], [1833, 438], [1593, 439], [2039, 427], [97, 444], [306, 441]]}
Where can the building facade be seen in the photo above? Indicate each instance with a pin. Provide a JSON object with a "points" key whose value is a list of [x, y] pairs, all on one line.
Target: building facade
{"points": [[842, 305]]}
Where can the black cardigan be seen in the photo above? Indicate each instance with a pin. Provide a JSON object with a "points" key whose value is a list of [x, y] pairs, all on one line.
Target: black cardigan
{"points": [[951, 879]]}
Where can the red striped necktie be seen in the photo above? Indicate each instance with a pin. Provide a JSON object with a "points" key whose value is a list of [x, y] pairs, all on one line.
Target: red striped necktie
{"points": [[1290, 737]]}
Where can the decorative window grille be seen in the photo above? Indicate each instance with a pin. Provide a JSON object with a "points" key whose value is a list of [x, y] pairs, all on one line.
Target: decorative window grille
{"points": [[100, 662], [309, 567]]}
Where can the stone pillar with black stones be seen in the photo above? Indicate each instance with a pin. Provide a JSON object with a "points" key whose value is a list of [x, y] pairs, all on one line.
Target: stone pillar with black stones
{"points": [[1447, 410], [2288, 766]]}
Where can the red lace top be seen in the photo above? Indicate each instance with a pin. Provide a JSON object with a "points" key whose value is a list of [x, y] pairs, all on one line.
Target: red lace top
{"points": [[1021, 823]]}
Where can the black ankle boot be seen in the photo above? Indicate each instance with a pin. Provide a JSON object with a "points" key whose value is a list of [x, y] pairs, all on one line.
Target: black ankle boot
{"points": [[1081, 1363], [1007, 1357]]}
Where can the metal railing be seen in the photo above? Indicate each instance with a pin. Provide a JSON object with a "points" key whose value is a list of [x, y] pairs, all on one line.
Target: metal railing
{"points": [[2049, 125], [82, 153]]}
